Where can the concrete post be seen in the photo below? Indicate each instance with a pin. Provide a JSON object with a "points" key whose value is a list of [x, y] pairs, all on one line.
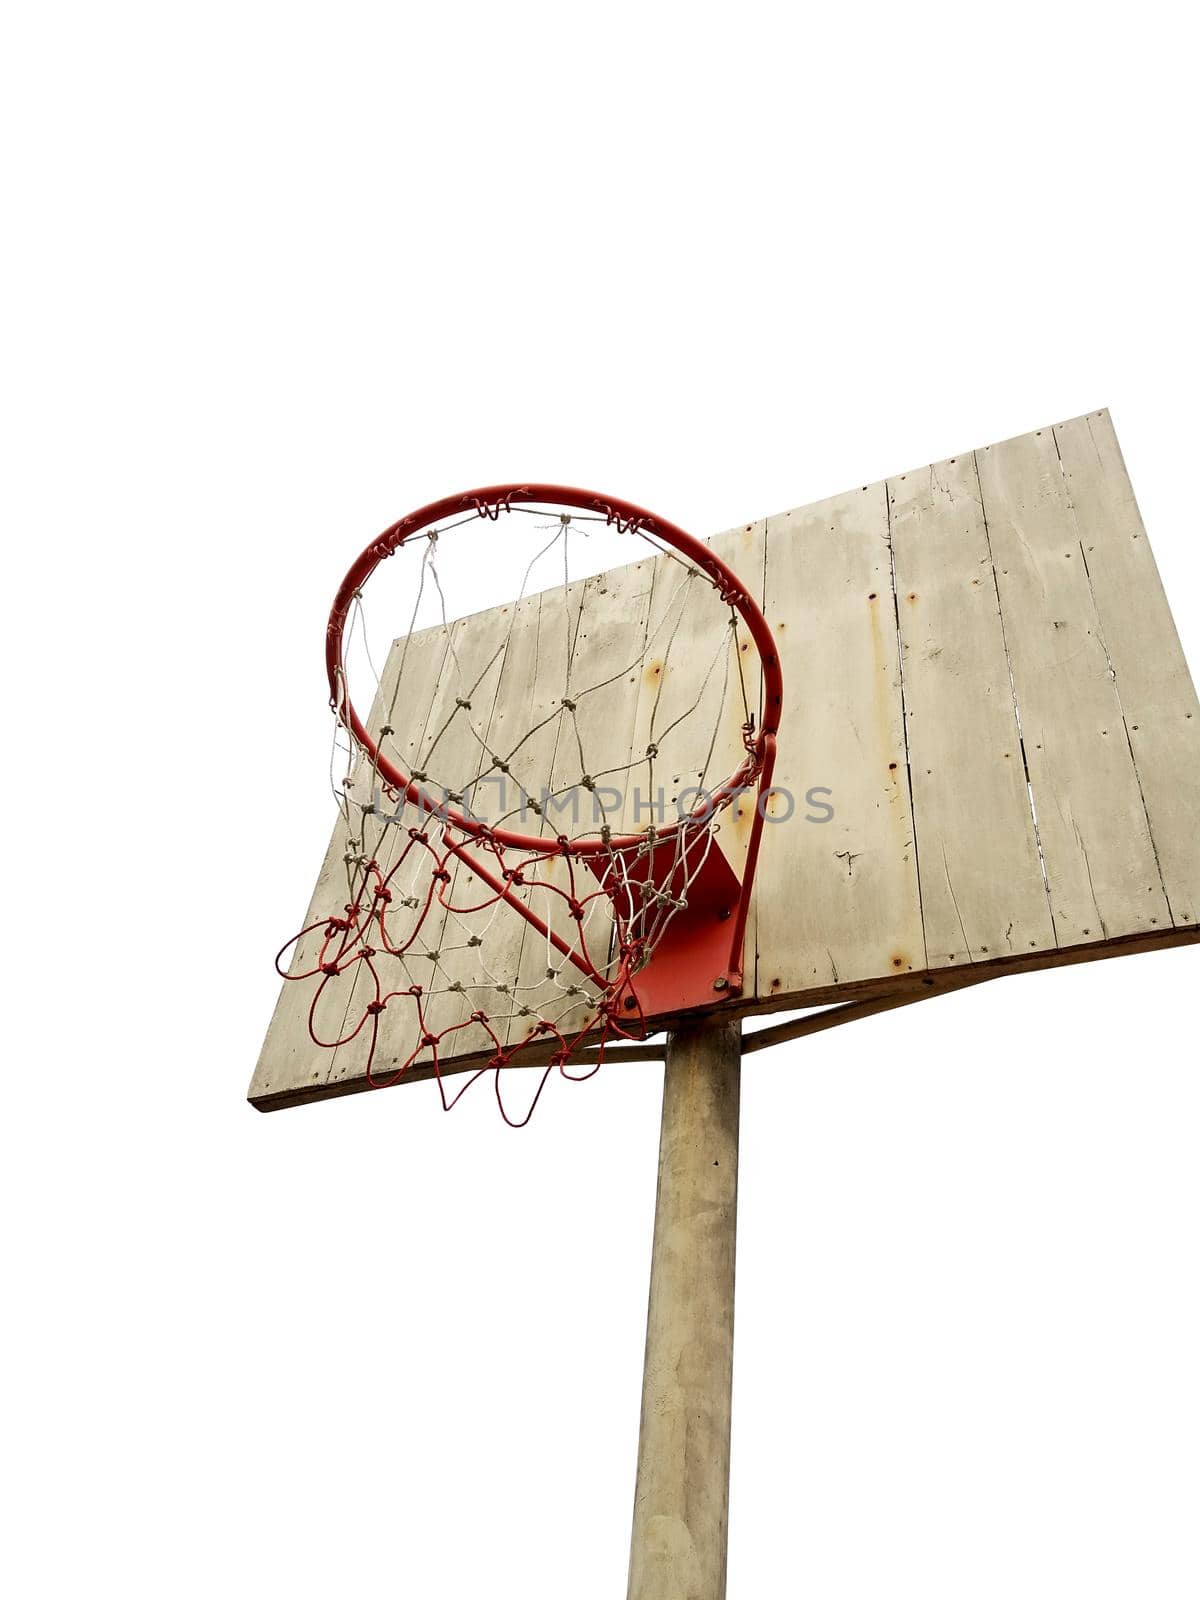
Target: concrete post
{"points": [[681, 1505]]}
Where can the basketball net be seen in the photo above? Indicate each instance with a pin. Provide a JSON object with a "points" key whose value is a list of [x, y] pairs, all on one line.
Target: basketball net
{"points": [[501, 895]]}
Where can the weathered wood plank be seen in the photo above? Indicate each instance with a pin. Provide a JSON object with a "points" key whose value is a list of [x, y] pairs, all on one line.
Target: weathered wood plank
{"points": [[982, 888], [487, 972], [592, 742], [838, 899], [1156, 694], [451, 752], [289, 1058], [1092, 822], [699, 679]]}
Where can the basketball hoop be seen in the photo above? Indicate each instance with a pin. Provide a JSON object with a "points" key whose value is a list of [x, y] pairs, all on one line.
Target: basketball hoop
{"points": [[615, 927]]}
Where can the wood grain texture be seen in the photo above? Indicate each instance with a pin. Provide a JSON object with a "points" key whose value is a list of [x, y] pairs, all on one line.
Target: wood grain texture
{"points": [[599, 675], [290, 1063], [1092, 822], [838, 899], [1157, 698], [695, 685], [980, 668], [452, 741], [982, 888]]}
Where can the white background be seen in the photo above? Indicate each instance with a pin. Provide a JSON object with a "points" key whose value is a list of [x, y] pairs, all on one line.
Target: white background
{"points": [[276, 275]]}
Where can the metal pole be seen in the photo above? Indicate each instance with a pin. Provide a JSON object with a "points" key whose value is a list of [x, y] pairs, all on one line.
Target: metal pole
{"points": [[681, 1504]]}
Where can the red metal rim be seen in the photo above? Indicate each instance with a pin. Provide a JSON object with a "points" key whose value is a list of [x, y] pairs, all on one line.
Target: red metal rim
{"points": [[622, 514]]}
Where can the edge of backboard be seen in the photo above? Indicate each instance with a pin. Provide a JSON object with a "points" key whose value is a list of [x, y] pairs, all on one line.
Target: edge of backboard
{"points": [[944, 981]]}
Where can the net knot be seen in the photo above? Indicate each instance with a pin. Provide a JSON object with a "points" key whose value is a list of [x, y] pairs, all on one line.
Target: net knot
{"points": [[567, 704], [386, 731], [375, 1007], [651, 751], [330, 968], [429, 1039], [384, 894], [474, 942], [463, 705], [441, 876]]}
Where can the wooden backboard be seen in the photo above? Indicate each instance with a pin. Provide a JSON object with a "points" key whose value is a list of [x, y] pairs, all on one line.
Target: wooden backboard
{"points": [[990, 754]]}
